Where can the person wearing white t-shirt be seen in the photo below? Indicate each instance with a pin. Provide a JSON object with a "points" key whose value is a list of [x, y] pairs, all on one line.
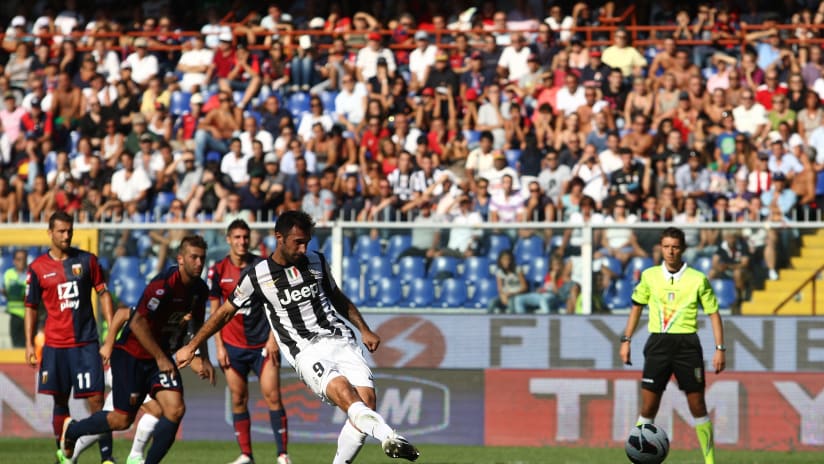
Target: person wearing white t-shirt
{"points": [[250, 133], [367, 59], [506, 205], [570, 97], [193, 64], [350, 103], [144, 65], [515, 57], [750, 117], [481, 159], [421, 59], [235, 164], [212, 30], [130, 185]]}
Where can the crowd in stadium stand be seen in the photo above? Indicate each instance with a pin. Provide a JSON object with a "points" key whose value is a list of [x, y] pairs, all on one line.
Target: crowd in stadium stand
{"points": [[460, 115]]}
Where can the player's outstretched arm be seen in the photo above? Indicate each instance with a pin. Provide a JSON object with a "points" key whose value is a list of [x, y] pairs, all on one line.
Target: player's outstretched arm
{"points": [[632, 324], [348, 310], [217, 320]]}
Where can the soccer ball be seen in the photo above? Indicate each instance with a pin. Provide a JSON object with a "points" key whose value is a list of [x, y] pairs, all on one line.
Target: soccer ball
{"points": [[647, 444]]}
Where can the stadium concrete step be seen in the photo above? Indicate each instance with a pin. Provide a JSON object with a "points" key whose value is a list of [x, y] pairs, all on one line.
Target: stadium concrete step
{"points": [[803, 267]]}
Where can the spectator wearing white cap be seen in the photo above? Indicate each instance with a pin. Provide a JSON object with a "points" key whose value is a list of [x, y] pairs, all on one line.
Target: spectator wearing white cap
{"points": [[194, 63], [16, 29], [144, 65], [421, 59]]}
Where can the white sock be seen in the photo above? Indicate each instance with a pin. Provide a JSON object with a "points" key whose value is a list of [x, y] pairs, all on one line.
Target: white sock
{"points": [[82, 443], [145, 427], [350, 442], [643, 420], [701, 420], [368, 421]]}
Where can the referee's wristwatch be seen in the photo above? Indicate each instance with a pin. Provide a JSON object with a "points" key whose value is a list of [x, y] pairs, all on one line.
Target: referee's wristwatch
{"points": [[721, 347], [625, 339]]}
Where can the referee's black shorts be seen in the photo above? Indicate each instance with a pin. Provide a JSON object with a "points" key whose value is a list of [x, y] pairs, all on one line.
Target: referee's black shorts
{"points": [[668, 354]]}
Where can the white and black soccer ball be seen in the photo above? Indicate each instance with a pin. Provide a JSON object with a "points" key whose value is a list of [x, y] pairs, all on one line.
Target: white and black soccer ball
{"points": [[647, 444]]}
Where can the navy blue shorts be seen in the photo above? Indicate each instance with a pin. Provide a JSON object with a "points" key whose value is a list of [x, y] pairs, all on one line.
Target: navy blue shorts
{"points": [[244, 360], [133, 379], [79, 368]]}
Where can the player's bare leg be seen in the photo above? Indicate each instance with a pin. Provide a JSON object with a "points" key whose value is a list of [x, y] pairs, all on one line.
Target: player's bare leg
{"points": [[239, 389], [173, 407], [270, 388], [367, 420]]}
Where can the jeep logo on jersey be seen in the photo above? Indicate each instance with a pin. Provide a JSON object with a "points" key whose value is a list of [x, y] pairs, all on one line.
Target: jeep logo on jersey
{"points": [[296, 295]]}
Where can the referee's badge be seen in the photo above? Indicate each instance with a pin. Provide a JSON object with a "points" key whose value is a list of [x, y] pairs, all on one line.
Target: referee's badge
{"points": [[671, 297]]}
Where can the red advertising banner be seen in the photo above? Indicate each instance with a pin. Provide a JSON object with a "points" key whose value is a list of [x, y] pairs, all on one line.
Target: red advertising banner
{"points": [[756, 411]]}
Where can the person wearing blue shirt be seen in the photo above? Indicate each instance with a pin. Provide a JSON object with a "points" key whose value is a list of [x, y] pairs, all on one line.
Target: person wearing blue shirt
{"points": [[779, 194]]}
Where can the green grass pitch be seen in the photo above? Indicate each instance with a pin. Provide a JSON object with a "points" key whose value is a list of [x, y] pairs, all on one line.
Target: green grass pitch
{"points": [[202, 452]]}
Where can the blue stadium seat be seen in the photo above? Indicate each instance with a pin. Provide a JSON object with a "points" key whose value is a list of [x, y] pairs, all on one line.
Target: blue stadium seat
{"points": [[313, 245], [619, 296], [148, 266], [443, 267], [421, 293], [351, 268], [388, 292], [131, 290], [125, 267], [496, 244], [179, 103], [614, 265], [326, 249], [366, 248], [377, 268], [473, 138], [298, 104], [724, 291], [411, 267], [476, 268], [536, 271], [512, 158], [485, 291], [703, 264], [6, 262], [237, 96], [635, 267], [453, 293], [328, 99], [527, 248], [162, 201], [397, 245], [352, 289], [271, 242]]}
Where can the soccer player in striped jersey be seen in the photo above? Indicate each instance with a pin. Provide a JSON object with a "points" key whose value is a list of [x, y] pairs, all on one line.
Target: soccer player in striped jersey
{"points": [[246, 344], [62, 280], [673, 292], [306, 311]]}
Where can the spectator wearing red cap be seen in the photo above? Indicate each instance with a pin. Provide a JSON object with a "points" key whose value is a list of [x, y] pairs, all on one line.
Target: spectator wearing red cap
{"points": [[367, 60]]}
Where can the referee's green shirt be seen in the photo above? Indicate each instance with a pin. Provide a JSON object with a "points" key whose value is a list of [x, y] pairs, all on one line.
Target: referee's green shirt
{"points": [[673, 299]]}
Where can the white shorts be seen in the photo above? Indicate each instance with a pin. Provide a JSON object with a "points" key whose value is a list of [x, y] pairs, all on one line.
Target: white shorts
{"points": [[329, 357]]}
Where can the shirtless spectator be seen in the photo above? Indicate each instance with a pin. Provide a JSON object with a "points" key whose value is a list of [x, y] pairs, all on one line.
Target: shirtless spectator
{"points": [[8, 202], [639, 140], [67, 107], [216, 129]]}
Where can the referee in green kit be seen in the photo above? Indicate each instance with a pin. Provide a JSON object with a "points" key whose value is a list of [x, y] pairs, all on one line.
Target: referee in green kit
{"points": [[673, 292]]}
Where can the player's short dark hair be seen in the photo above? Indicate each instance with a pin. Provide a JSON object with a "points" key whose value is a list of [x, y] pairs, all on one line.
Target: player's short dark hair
{"points": [[195, 241], [294, 218], [237, 224], [676, 233], [61, 216]]}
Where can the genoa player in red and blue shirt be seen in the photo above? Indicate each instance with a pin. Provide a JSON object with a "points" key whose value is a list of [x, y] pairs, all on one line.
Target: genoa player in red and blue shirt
{"points": [[62, 280], [171, 304], [246, 344]]}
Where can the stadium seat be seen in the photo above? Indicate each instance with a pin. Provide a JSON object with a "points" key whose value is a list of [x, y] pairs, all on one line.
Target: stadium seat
{"points": [[473, 138], [397, 245], [352, 289], [130, 291], [485, 291], [703, 264], [512, 158], [326, 249], [475, 268], [443, 267], [351, 268], [270, 242], [421, 293], [366, 247], [378, 267], [527, 248], [179, 103], [635, 267], [162, 201], [411, 267], [237, 96], [614, 265], [328, 99], [453, 293], [388, 292], [536, 271], [724, 291], [125, 267], [620, 295], [298, 104], [496, 244]]}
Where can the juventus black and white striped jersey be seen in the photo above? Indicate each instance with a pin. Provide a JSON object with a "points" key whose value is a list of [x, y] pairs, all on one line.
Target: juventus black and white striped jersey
{"points": [[296, 301]]}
